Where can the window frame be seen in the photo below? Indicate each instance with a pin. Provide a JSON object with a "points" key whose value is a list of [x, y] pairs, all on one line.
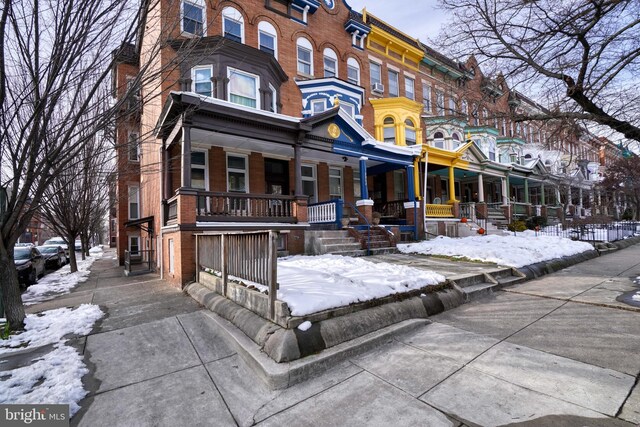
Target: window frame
{"points": [[373, 81], [236, 17], [426, 98], [205, 167], [130, 192], [349, 106], [436, 140], [440, 107], [329, 55], [265, 28], [130, 134], [194, 82], [256, 78], [304, 45], [197, 4], [130, 240], [396, 83], [315, 102], [235, 170], [352, 64], [386, 126], [333, 196], [410, 82], [408, 129], [313, 178]]}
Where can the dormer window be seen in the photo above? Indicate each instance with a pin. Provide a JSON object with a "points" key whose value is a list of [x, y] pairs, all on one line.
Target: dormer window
{"points": [[232, 25], [193, 17]]}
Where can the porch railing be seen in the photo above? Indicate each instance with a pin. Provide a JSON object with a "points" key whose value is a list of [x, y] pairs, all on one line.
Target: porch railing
{"points": [[468, 210], [439, 211], [520, 209], [494, 206], [250, 256], [393, 208], [138, 262], [325, 212], [244, 207]]}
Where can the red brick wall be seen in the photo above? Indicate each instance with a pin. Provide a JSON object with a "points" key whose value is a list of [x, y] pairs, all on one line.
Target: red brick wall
{"points": [[323, 182]]}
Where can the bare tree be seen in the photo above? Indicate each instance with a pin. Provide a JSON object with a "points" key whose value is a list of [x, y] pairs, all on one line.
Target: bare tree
{"points": [[582, 55], [623, 176]]}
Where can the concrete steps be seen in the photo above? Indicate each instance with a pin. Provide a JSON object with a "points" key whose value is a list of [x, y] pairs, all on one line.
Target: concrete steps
{"points": [[478, 286], [342, 242]]}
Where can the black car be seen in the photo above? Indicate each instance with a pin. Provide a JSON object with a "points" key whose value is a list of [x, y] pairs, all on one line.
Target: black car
{"points": [[29, 264], [54, 256]]}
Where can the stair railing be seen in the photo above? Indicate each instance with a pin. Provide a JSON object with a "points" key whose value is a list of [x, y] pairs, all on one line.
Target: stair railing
{"points": [[366, 221]]}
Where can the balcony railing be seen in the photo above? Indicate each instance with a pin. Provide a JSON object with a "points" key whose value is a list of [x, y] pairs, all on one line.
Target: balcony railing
{"points": [[439, 211], [245, 207]]}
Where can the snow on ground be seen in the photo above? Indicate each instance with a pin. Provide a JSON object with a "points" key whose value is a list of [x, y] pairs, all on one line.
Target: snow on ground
{"points": [[309, 284], [513, 251], [60, 281], [55, 377]]}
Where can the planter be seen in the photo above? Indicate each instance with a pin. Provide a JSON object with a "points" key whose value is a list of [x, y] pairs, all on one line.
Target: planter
{"points": [[345, 222]]}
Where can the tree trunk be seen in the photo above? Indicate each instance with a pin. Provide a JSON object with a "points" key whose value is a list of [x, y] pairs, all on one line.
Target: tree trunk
{"points": [[73, 263], [10, 289]]}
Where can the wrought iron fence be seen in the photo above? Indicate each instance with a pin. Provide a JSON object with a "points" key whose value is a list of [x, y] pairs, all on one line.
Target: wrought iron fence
{"points": [[593, 232]]}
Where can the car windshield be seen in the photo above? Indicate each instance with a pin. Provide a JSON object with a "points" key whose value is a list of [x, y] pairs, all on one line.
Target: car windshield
{"points": [[55, 242], [21, 253], [48, 249]]}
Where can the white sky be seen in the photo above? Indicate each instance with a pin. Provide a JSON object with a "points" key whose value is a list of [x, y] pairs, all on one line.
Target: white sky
{"points": [[417, 18]]}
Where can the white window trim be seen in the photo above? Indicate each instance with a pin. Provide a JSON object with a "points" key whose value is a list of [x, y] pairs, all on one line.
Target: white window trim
{"points": [[245, 171], [341, 181], [256, 77], [319, 101], [353, 108], [313, 178], [234, 17], [137, 137], [266, 28], [330, 54], [352, 63], [193, 76], [408, 79], [137, 187], [305, 44], [205, 167], [397, 74], [371, 74], [197, 3], [274, 98], [139, 245]]}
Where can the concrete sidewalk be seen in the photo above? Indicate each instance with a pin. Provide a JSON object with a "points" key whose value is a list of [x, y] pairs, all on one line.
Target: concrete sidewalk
{"points": [[539, 353]]}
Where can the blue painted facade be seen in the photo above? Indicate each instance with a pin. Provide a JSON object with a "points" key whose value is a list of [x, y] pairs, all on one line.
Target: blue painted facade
{"points": [[324, 92]]}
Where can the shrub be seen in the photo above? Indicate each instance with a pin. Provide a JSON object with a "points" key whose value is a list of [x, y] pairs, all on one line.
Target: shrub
{"points": [[627, 215], [534, 221], [517, 226]]}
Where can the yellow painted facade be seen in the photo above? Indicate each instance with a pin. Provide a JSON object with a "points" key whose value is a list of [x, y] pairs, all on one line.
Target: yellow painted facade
{"points": [[402, 112], [395, 49]]}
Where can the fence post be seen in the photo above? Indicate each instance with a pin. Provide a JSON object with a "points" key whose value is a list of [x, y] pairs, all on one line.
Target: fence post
{"points": [[197, 260], [224, 255], [273, 275]]}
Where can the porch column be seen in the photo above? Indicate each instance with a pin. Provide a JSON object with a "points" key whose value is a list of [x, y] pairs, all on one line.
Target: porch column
{"points": [[542, 200], [505, 195], [364, 188], [452, 185], [569, 197], [557, 196], [297, 163], [186, 156], [526, 190], [580, 197], [480, 188], [410, 184], [599, 195]]}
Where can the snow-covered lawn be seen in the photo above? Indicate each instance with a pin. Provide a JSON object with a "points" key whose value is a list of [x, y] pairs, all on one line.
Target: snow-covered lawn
{"points": [[309, 284], [513, 251], [61, 281], [55, 377]]}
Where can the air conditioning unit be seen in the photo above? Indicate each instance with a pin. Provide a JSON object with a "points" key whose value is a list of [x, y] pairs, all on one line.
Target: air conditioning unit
{"points": [[378, 88]]}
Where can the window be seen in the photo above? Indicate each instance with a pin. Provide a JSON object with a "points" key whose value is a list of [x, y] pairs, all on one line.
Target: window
{"points": [[202, 83], [485, 117], [199, 170], [348, 108], [353, 71], [243, 88], [389, 130], [267, 38], [237, 173], [504, 127], [492, 150], [464, 107], [426, 97], [438, 140], [134, 202], [232, 25], [134, 147], [409, 132], [452, 106], [409, 88], [393, 83], [398, 185], [330, 63], [456, 140], [375, 73], [305, 57], [357, 193], [440, 102], [274, 98], [335, 183], [309, 182], [318, 106], [134, 245], [193, 17]]}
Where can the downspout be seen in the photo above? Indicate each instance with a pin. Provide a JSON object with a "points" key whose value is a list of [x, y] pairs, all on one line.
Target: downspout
{"points": [[162, 211], [424, 192]]}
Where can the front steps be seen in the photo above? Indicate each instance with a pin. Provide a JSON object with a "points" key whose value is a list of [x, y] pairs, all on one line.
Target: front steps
{"points": [[344, 242], [478, 286]]}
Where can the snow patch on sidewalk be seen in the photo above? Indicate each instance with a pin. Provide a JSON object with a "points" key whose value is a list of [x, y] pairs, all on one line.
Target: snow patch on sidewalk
{"points": [[512, 251], [60, 282], [55, 377], [309, 284]]}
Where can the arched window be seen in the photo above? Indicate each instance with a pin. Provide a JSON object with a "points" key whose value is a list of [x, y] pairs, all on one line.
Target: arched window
{"points": [[438, 140], [389, 130], [353, 71], [492, 149], [456, 140], [330, 63], [232, 24], [267, 38], [305, 56], [464, 107], [409, 132]]}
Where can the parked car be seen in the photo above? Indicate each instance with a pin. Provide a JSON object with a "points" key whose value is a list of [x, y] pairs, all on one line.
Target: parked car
{"points": [[26, 245], [78, 245], [54, 256], [59, 241], [29, 264]]}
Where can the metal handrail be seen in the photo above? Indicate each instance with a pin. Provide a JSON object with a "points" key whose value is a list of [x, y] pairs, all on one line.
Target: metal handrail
{"points": [[355, 209]]}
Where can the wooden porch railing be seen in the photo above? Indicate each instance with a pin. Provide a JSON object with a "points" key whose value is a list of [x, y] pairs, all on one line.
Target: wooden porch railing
{"points": [[325, 212], [439, 211], [244, 207], [251, 256], [520, 209], [392, 208]]}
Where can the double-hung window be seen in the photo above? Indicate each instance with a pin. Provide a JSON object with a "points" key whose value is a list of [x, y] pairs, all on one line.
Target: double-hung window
{"points": [[330, 63], [440, 102], [237, 173], [426, 97], [199, 170], [375, 73], [134, 202], [267, 38], [243, 88], [201, 77], [393, 83], [134, 245], [357, 190], [353, 71], [134, 147], [193, 17], [409, 88], [305, 56], [309, 184], [335, 183], [232, 25]]}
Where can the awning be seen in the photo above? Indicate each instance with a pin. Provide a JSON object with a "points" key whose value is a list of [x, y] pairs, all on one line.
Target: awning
{"points": [[140, 223]]}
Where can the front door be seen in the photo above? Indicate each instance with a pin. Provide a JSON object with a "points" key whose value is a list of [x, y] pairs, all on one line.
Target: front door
{"points": [[276, 176], [379, 190]]}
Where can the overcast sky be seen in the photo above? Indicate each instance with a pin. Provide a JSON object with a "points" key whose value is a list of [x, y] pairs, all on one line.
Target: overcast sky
{"points": [[418, 18]]}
